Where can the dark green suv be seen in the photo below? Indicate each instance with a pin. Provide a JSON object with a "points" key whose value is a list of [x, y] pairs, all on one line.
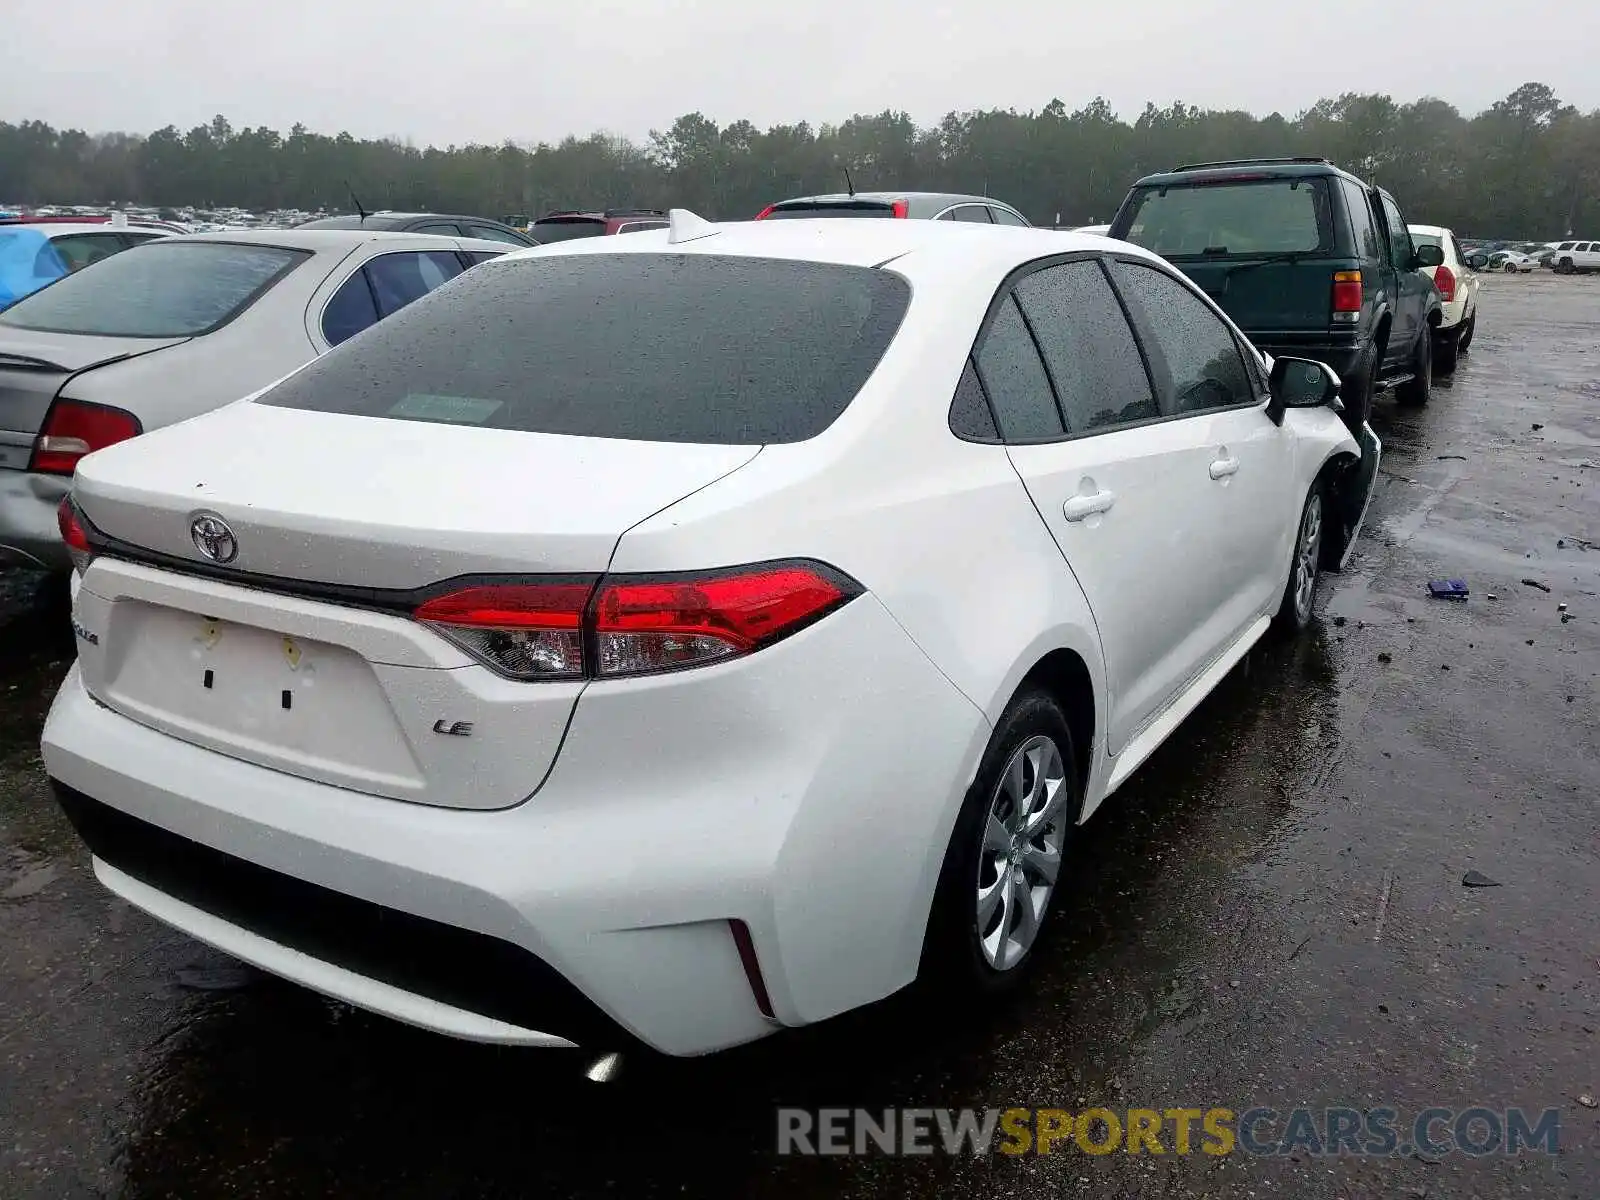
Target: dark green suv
{"points": [[1307, 260]]}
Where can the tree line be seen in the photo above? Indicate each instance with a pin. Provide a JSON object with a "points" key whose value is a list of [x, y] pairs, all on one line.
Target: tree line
{"points": [[1526, 167]]}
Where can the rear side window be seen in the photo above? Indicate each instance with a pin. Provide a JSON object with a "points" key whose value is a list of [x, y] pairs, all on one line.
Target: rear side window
{"points": [[1361, 226], [1088, 347], [651, 347], [399, 279], [439, 228], [1274, 216], [1015, 378], [490, 234], [971, 212], [78, 250], [350, 311], [1194, 349], [1400, 251], [843, 208], [1004, 216], [970, 417], [166, 288]]}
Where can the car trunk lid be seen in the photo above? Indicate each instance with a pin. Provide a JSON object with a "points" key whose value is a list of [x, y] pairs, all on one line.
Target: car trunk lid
{"points": [[33, 367], [301, 655]]}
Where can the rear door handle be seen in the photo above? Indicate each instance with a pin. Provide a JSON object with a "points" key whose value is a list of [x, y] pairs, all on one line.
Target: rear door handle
{"points": [[1079, 507], [1221, 468]]}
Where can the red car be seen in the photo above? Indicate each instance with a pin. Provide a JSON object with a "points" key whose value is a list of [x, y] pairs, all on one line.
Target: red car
{"points": [[564, 225]]}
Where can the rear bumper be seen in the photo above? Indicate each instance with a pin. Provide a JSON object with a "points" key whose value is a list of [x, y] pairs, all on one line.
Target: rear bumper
{"points": [[29, 535], [1341, 356], [807, 791]]}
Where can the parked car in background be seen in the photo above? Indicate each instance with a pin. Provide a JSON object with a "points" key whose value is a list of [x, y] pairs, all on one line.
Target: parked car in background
{"points": [[1511, 261], [176, 327], [564, 225], [1458, 289], [439, 224], [1307, 258], [917, 206], [117, 220], [1571, 257], [819, 585], [35, 253]]}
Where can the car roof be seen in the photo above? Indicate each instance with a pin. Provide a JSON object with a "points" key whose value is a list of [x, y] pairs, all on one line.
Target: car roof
{"points": [[55, 229], [851, 243], [330, 240], [890, 198], [1278, 168]]}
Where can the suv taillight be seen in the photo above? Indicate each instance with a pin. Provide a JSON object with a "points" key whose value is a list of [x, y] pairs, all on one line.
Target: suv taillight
{"points": [[1445, 280], [75, 533], [900, 209], [73, 428], [1347, 296], [765, 212], [623, 625]]}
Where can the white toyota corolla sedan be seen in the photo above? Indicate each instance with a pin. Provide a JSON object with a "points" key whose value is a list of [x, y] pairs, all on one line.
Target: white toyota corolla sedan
{"points": [[681, 637]]}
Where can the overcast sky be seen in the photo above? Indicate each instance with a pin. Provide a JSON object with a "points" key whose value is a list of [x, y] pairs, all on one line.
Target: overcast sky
{"points": [[531, 70]]}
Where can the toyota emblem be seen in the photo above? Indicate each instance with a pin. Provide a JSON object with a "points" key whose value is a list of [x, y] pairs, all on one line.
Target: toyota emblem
{"points": [[213, 538]]}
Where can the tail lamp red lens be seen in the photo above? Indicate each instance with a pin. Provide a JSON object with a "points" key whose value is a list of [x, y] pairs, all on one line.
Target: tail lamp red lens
{"points": [[73, 428], [765, 212], [1347, 291], [1445, 280], [900, 209], [75, 533], [623, 625]]}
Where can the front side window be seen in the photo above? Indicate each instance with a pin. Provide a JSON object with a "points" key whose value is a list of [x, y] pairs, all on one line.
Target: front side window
{"points": [[400, 279], [650, 347], [166, 288], [1197, 361], [1233, 219], [78, 250], [1014, 377], [1088, 346], [1400, 249]]}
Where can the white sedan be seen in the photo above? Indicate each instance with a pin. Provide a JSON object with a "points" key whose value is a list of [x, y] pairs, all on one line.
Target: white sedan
{"points": [[540, 674]]}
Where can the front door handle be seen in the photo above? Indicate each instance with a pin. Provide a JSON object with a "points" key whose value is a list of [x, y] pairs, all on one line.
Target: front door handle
{"points": [[1221, 468], [1080, 507]]}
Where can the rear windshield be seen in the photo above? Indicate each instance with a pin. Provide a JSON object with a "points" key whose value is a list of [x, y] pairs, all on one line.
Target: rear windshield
{"points": [[565, 231], [1276, 216], [161, 289], [651, 347], [842, 208]]}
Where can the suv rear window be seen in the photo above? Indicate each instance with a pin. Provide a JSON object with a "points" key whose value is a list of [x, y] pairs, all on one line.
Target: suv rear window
{"points": [[840, 208], [650, 347], [566, 228], [1273, 216], [162, 289]]}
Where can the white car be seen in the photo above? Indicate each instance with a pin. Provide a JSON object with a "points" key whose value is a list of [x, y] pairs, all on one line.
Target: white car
{"points": [[1570, 257], [1512, 262], [177, 327], [1458, 287], [539, 674]]}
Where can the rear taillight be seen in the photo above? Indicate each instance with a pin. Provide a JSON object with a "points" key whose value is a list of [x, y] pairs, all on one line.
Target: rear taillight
{"points": [[1347, 295], [1445, 280], [635, 624], [75, 533], [73, 428], [524, 630], [900, 209], [765, 212]]}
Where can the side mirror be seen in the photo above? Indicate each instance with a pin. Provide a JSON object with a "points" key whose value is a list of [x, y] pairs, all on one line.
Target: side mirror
{"points": [[1301, 383], [1430, 256]]}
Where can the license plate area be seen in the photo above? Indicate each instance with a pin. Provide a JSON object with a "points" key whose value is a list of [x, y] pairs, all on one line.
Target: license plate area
{"points": [[309, 707]]}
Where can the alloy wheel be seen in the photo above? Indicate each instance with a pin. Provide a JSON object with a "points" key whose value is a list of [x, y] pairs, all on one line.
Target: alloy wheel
{"points": [[1023, 836], [1308, 552]]}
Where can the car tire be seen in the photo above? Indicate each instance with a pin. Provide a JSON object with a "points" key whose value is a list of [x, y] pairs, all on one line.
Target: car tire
{"points": [[1564, 266], [1510, 267], [1414, 393], [994, 894], [1305, 563], [1446, 348], [1467, 330]]}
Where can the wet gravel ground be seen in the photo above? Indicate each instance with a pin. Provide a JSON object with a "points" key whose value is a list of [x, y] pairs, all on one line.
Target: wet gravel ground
{"points": [[1270, 913]]}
